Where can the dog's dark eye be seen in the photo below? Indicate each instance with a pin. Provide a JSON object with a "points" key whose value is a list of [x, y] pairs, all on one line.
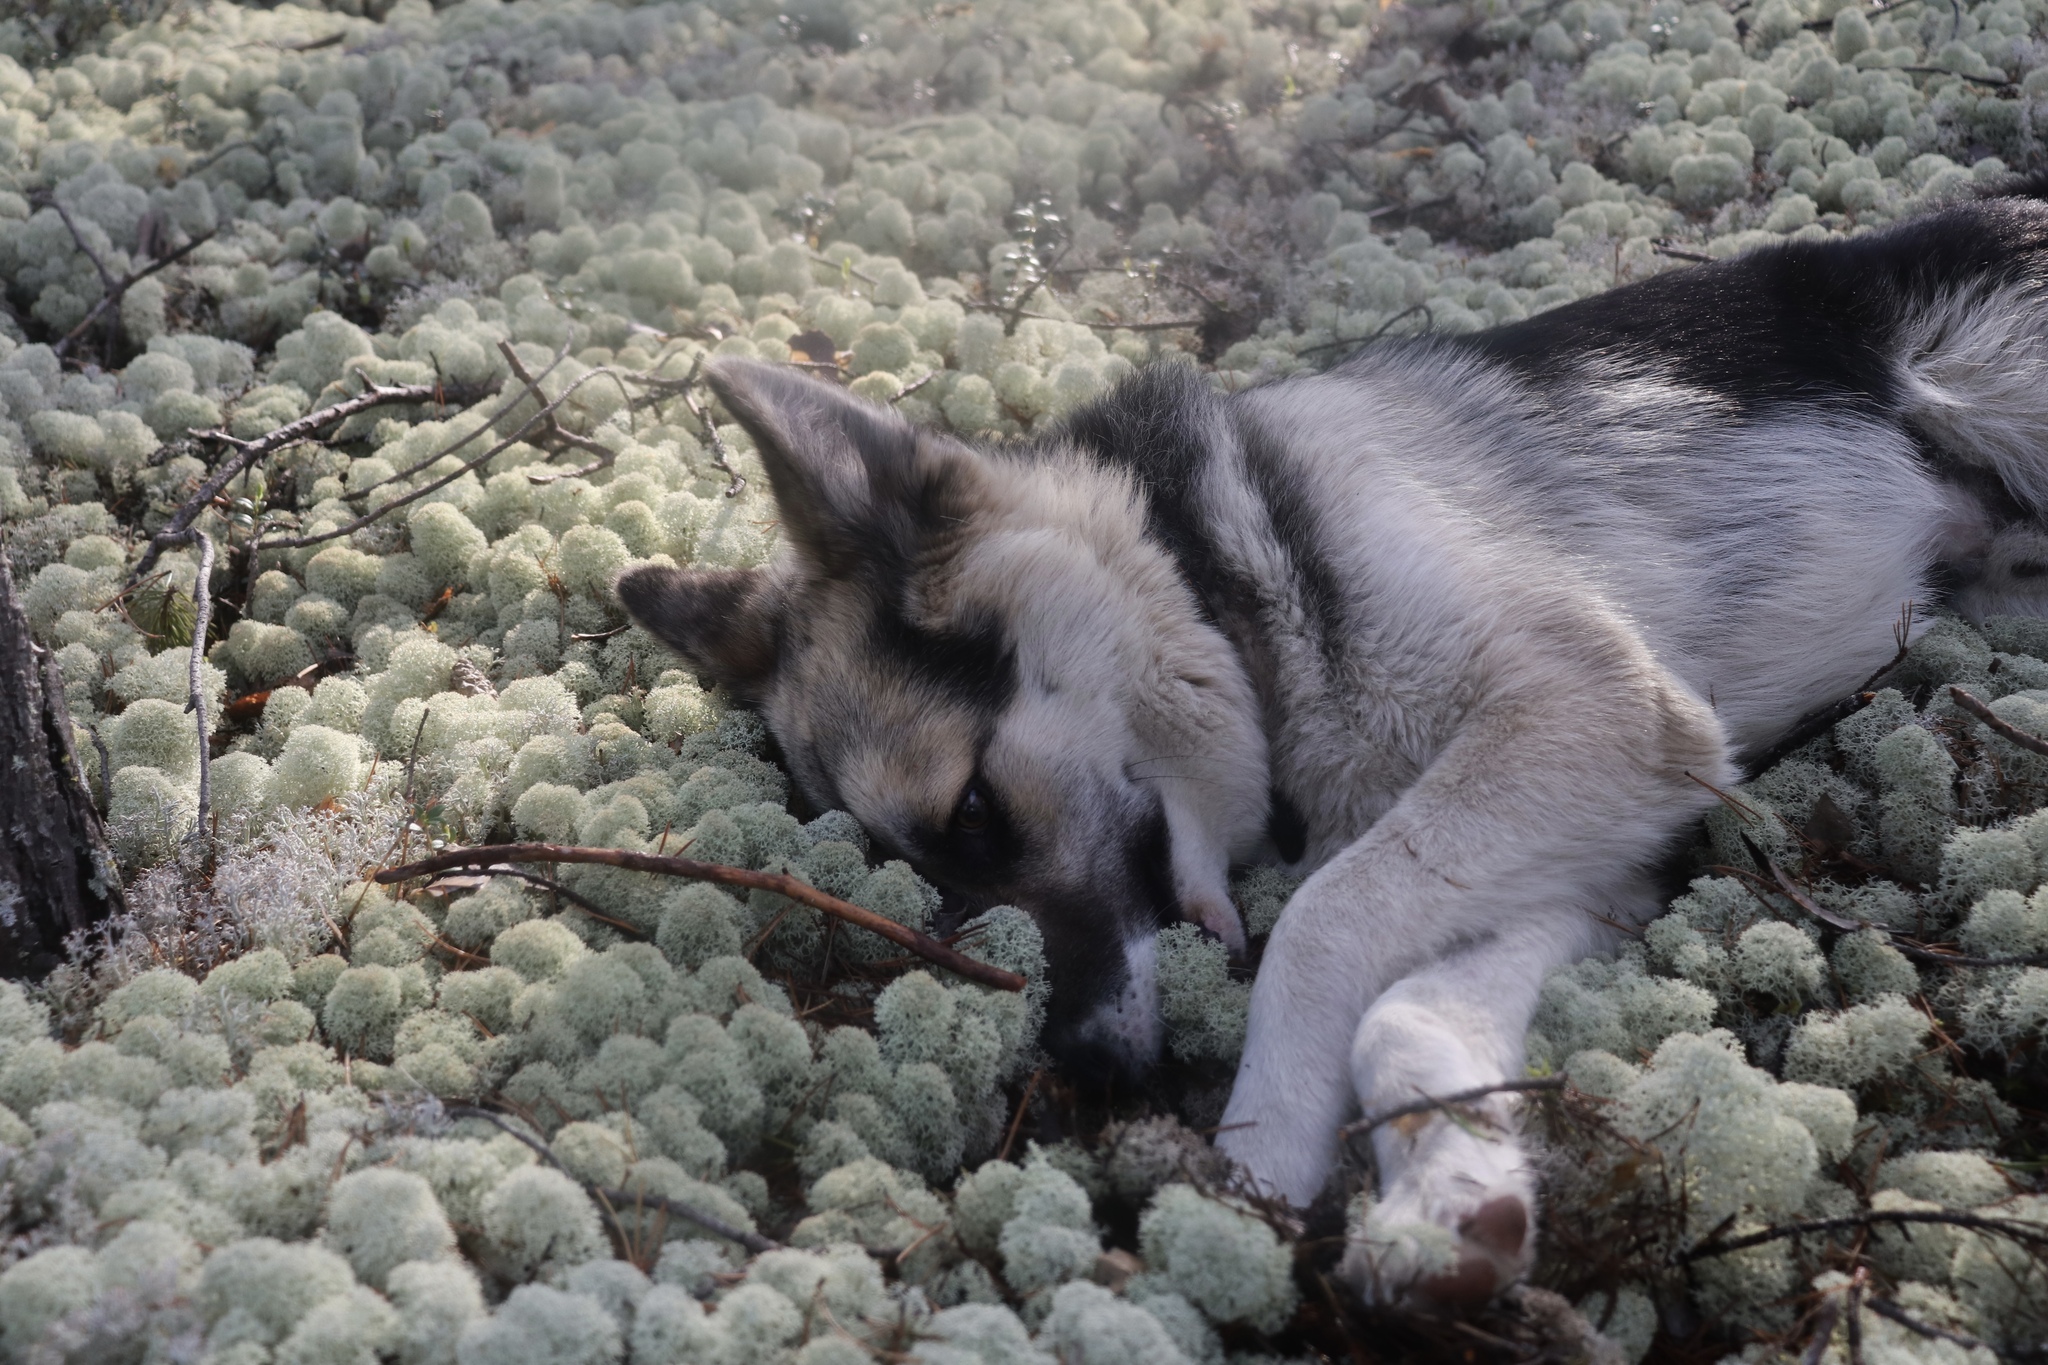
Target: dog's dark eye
{"points": [[972, 814]]}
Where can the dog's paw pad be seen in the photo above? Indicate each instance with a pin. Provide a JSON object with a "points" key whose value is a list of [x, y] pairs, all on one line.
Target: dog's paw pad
{"points": [[1492, 1254]]}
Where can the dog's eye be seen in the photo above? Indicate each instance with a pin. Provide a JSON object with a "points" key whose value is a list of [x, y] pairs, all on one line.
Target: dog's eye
{"points": [[972, 814]]}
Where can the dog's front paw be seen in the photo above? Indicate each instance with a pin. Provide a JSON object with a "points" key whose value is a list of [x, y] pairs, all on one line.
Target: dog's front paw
{"points": [[1397, 1257]]}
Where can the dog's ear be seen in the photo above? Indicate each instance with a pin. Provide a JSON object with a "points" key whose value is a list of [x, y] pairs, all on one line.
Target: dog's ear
{"points": [[723, 621], [848, 478]]}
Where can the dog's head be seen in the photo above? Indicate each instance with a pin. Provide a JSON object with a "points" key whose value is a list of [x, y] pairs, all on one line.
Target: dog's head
{"points": [[984, 659]]}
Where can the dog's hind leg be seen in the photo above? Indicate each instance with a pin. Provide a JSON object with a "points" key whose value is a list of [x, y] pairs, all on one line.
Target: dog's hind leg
{"points": [[1454, 1027]]}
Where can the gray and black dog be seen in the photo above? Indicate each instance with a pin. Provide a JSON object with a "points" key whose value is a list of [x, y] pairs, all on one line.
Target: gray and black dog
{"points": [[1464, 629]]}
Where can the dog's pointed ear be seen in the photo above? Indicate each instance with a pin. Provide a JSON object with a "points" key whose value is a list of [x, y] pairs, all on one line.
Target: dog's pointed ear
{"points": [[723, 621], [840, 467]]}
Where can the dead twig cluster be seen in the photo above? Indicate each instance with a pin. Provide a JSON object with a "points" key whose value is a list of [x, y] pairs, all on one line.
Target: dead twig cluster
{"points": [[113, 288], [925, 946]]}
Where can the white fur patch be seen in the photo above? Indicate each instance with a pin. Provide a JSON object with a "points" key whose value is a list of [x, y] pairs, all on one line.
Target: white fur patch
{"points": [[1129, 1025]]}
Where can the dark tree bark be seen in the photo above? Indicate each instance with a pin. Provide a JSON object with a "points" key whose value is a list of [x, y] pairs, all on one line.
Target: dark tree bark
{"points": [[56, 875]]}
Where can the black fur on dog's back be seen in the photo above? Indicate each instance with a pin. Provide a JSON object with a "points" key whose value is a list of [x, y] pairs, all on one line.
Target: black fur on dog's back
{"points": [[1799, 321]]}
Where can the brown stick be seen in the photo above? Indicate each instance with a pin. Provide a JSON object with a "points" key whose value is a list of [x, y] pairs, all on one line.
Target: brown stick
{"points": [[1977, 708], [609, 1200], [248, 452], [925, 946], [2024, 1231], [1898, 939], [1427, 1106]]}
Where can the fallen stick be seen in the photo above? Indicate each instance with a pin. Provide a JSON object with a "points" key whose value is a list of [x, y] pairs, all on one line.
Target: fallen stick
{"points": [[611, 1199], [248, 452], [1426, 1106], [1977, 708], [925, 946], [2023, 1231], [202, 597]]}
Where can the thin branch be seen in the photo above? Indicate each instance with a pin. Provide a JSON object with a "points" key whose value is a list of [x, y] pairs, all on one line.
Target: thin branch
{"points": [[583, 903], [1159, 325], [1376, 333], [1663, 247], [553, 428], [248, 452], [610, 1199], [925, 946], [216, 154], [1977, 708], [1427, 1105], [752, 1241], [202, 602], [99, 745], [1870, 13], [107, 280], [1915, 951], [419, 465], [1885, 1308], [914, 386], [720, 456], [377, 513], [113, 297], [2019, 1230], [1959, 75]]}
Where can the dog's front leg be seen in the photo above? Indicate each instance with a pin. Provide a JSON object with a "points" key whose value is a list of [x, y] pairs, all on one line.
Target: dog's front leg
{"points": [[1550, 796]]}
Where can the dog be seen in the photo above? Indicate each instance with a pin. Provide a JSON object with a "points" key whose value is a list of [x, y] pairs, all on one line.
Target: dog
{"points": [[1466, 630]]}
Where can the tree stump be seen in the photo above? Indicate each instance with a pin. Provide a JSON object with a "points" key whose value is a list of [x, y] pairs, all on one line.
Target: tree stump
{"points": [[56, 875]]}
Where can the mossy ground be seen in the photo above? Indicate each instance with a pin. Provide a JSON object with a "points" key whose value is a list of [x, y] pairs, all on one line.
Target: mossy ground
{"points": [[226, 1131]]}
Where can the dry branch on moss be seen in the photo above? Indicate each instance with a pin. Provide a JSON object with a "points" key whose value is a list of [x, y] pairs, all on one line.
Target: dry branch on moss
{"points": [[925, 946], [1977, 708], [248, 453], [1429, 1104], [610, 1200], [2021, 1230], [112, 288]]}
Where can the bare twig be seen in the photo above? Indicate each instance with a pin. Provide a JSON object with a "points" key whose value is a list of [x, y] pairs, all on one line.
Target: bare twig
{"points": [[444, 452], [1870, 13], [1959, 75], [414, 495], [720, 456], [752, 1241], [1023, 1105], [2025, 1232], [925, 946], [1376, 333], [610, 1199], [413, 757], [1429, 1105], [113, 296], [1885, 1308], [248, 452], [107, 280], [1977, 708], [202, 605], [1786, 887], [552, 428], [914, 386], [1156, 325], [1663, 247], [216, 154], [553, 887]]}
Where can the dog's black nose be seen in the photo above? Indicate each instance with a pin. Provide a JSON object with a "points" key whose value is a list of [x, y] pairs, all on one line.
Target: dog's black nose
{"points": [[1090, 1065]]}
